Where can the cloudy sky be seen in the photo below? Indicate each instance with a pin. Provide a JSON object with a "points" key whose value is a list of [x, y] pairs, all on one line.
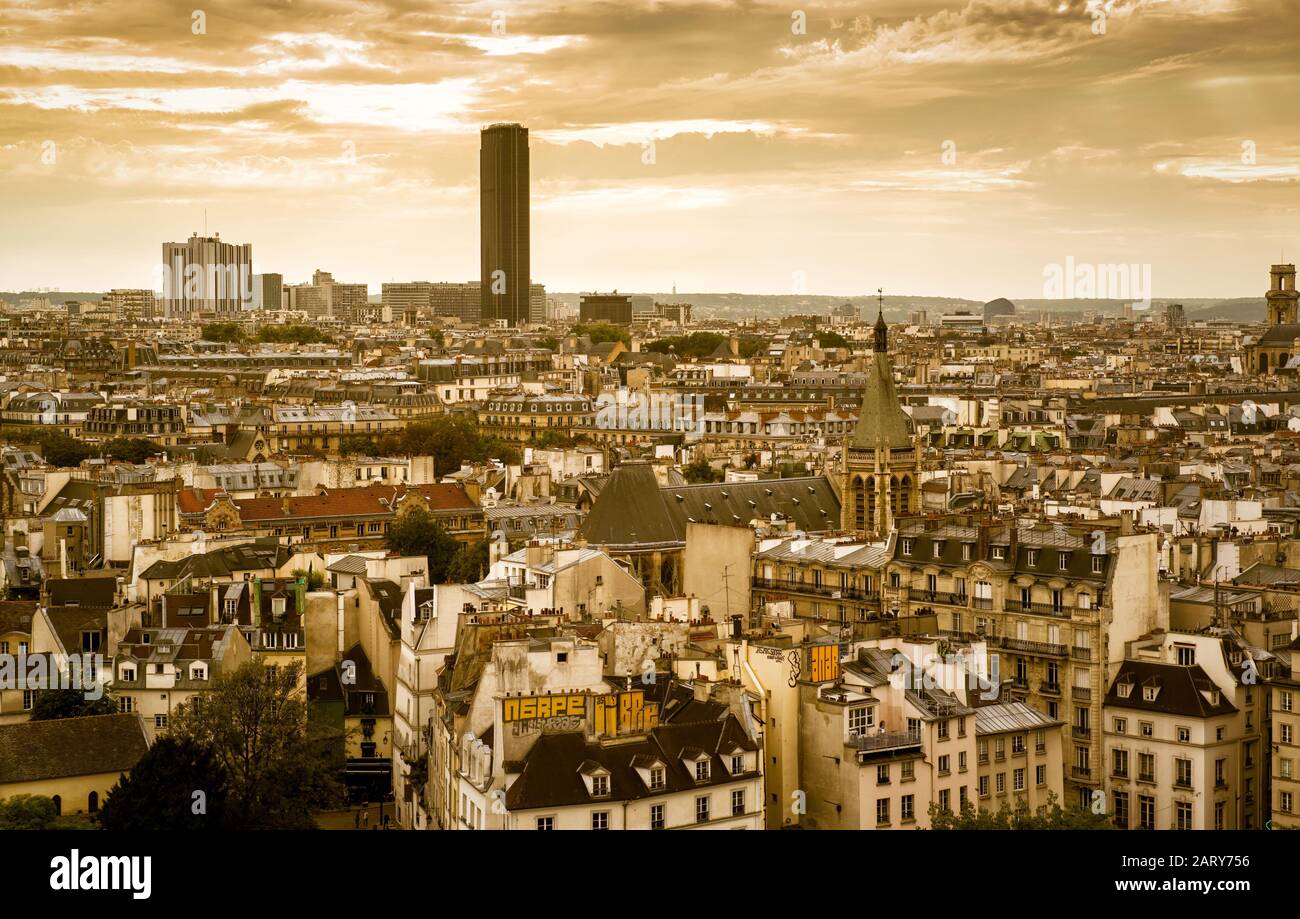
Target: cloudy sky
{"points": [[924, 147]]}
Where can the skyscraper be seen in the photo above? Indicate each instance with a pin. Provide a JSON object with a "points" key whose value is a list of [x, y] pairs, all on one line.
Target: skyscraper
{"points": [[206, 276], [503, 223]]}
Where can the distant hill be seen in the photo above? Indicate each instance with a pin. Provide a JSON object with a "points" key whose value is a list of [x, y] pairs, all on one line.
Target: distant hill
{"points": [[54, 296]]}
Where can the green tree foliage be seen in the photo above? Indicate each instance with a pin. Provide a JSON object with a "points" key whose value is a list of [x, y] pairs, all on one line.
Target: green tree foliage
{"points": [[279, 764], [160, 792], [130, 449], [830, 339], [229, 332], [27, 812], [551, 438], [699, 471], [469, 564], [449, 439], [600, 332], [549, 342], [315, 579], [52, 704], [1049, 816], [293, 334], [418, 532], [702, 344]]}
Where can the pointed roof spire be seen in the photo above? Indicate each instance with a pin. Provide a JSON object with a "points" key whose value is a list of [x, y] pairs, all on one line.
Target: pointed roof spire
{"points": [[882, 330]]}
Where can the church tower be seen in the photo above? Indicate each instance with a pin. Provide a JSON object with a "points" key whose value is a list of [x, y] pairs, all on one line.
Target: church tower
{"points": [[879, 474], [1282, 295]]}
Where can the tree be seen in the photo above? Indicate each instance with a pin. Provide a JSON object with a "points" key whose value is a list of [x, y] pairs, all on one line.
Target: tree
{"points": [[552, 437], [293, 334], [315, 579], [831, 339], [279, 764], [469, 564], [229, 332], [131, 449], [27, 812], [698, 471], [53, 704], [179, 784], [417, 532], [1049, 816], [601, 332]]}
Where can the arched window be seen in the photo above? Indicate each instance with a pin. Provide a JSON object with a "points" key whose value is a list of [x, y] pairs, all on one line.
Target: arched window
{"points": [[92, 803], [58, 805]]}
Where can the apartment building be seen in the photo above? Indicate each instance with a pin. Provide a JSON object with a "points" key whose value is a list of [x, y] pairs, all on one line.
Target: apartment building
{"points": [[1057, 605]]}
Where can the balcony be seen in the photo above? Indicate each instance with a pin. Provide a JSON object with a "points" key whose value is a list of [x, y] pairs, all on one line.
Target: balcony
{"points": [[1040, 609], [889, 740], [1034, 647], [1051, 689], [1082, 693], [1081, 654], [1081, 772], [938, 596], [831, 591], [982, 603], [1080, 731]]}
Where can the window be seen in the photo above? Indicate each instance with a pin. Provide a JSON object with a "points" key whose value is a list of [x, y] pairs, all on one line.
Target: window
{"points": [[1018, 743], [1183, 816], [983, 786], [702, 770], [943, 729], [1284, 701], [1286, 733], [1183, 773], [600, 820], [1146, 729], [1184, 735], [945, 800], [1119, 763], [961, 761], [657, 777], [89, 642], [1097, 562], [882, 812], [29, 699], [1146, 812], [1040, 775], [1146, 767], [907, 546], [860, 720], [909, 808], [656, 816], [908, 768], [1285, 802], [1218, 815], [944, 762], [125, 704], [1121, 725], [1186, 655], [1121, 809], [738, 802], [546, 823], [1001, 783], [702, 809], [599, 786], [882, 774], [737, 765], [160, 721]]}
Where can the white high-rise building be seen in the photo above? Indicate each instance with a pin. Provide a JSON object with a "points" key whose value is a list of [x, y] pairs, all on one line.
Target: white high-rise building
{"points": [[205, 275]]}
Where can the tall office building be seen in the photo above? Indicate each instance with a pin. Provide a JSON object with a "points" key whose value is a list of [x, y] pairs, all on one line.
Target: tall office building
{"points": [[206, 276], [503, 224], [268, 291]]}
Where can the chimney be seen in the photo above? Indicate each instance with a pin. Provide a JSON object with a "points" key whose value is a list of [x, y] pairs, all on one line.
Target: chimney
{"points": [[1126, 523], [1014, 532], [982, 545]]}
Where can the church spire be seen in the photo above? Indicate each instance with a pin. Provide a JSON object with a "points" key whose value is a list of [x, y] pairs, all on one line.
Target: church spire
{"points": [[882, 330]]}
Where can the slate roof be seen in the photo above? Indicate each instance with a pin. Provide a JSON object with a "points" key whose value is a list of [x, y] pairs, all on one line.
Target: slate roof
{"points": [[223, 562], [88, 593], [1180, 690], [90, 745], [551, 776], [881, 419], [633, 509]]}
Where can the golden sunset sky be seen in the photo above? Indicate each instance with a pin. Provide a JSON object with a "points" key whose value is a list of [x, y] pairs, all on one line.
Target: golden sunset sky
{"points": [[344, 136]]}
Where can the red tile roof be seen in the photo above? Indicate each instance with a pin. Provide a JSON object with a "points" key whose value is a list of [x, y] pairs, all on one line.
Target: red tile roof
{"points": [[373, 500], [196, 500]]}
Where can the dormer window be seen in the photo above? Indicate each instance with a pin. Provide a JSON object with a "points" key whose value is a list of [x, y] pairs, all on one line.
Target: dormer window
{"points": [[277, 607], [999, 553], [965, 551], [1149, 693], [1063, 560], [1031, 557], [907, 547], [1124, 690], [702, 770], [600, 786], [737, 764], [658, 777], [938, 549]]}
